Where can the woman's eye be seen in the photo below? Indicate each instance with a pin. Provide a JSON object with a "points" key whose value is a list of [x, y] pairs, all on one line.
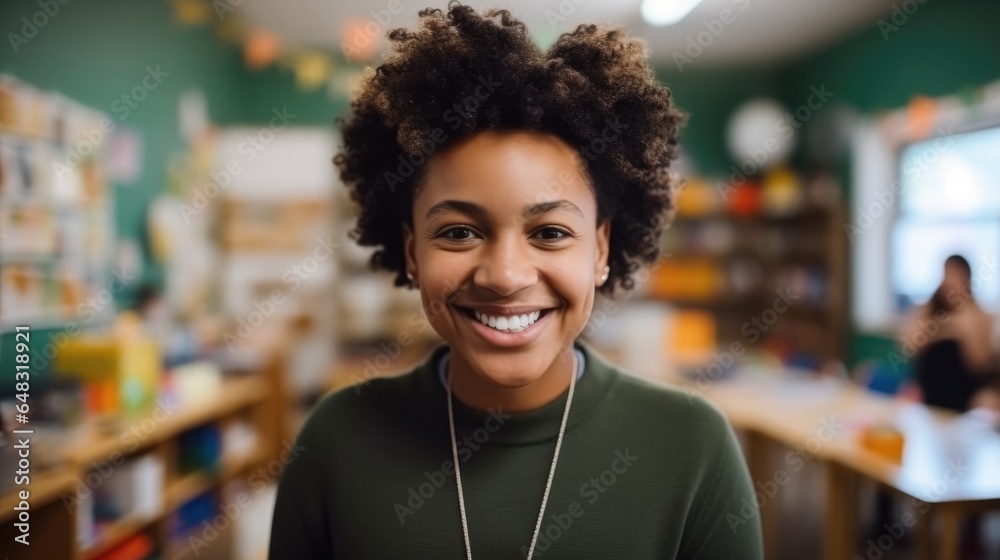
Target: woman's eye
{"points": [[458, 234], [551, 234]]}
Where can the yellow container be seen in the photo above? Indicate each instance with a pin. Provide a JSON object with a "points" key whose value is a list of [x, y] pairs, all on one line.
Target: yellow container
{"points": [[131, 365]]}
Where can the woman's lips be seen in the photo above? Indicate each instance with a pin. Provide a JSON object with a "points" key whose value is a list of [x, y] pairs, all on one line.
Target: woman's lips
{"points": [[504, 322], [507, 338]]}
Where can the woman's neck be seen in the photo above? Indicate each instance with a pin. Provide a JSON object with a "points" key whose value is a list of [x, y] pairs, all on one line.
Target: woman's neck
{"points": [[476, 391]]}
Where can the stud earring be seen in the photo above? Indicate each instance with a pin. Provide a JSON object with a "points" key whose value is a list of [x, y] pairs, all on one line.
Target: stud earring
{"points": [[604, 277], [409, 276]]}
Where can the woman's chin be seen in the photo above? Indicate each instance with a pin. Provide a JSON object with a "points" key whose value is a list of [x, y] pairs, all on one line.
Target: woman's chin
{"points": [[509, 378], [510, 370]]}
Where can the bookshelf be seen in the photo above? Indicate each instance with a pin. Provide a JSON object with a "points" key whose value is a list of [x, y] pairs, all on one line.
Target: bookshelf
{"points": [[772, 280], [56, 207], [58, 496]]}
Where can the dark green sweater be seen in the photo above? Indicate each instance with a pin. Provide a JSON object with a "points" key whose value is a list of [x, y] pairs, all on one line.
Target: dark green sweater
{"points": [[645, 472]]}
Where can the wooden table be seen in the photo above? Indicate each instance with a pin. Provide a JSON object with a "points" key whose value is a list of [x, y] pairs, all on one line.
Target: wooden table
{"points": [[950, 467]]}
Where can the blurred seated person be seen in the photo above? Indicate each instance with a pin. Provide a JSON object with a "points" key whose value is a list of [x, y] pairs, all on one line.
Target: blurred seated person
{"points": [[953, 338], [955, 359]]}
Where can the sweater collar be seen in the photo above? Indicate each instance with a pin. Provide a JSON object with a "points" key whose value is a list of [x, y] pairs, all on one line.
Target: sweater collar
{"points": [[499, 427], [442, 365]]}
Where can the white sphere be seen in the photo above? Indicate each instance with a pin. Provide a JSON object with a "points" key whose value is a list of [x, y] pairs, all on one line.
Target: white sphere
{"points": [[761, 134]]}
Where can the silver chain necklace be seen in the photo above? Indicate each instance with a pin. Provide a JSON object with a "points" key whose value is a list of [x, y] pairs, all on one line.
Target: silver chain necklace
{"points": [[548, 483]]}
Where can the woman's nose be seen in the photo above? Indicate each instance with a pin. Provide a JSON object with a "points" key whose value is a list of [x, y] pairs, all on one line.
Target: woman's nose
{"points": [[506, 267]]}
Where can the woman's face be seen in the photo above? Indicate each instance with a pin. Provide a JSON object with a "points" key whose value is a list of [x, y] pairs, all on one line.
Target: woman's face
{"points": [[505, 227], [956, 279]]}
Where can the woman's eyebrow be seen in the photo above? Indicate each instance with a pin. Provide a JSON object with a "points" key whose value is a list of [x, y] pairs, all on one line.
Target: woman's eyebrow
{"points": [[476, 211], [537, 209], [465, 207]]}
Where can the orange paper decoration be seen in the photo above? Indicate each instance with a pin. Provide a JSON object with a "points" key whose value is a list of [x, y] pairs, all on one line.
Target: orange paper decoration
{"points": [[261, 49], [360, 40], [920, 115]]}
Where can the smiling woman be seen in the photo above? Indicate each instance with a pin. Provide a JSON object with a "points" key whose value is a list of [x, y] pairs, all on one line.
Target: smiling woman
{"points": [[480, 241], [534, 180]]}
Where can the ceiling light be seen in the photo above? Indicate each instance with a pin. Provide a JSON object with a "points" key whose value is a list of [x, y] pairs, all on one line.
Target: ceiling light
{"points": [[666, 12]]}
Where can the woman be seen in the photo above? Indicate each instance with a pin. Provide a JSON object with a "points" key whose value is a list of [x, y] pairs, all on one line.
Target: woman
{"points": [[953, 340], [509, 185]]}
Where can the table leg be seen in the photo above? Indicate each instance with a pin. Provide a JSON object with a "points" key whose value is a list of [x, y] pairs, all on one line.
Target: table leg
{"points": [[840, 540], [951, 531], [761, 465], [924, 532]]}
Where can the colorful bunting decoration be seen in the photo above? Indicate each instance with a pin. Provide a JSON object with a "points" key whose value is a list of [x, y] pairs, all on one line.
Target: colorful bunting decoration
{"points": [[311, 70], [360, 40], [261, 49], [192, 12]]}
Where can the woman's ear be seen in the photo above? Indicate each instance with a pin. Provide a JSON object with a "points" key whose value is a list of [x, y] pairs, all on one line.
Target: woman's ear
{"points": [[409, 252], [603, 246]]}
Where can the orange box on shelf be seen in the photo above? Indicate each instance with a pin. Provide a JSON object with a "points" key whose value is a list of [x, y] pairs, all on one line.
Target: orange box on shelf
{"points": [[692, 337], [693, 279]]}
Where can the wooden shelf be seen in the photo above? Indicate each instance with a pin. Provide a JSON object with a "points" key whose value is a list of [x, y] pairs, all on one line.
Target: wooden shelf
{"points": [[186, 488], [748, 301], [258, 398], [116, 533], [179, 492], [806, 213], [44, 488], [24, 135], [234, 395], [232, 467]]}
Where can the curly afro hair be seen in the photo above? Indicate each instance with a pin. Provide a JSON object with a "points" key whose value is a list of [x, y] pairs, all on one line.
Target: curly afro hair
{"points": [[462, 72]]}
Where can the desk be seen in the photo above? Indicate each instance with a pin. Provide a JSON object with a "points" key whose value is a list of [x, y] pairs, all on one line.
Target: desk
{"points": [[950, 465]]}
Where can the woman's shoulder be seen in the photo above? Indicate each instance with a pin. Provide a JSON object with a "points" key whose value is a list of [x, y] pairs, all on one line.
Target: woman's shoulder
{"points": [[670, 397], [664, 418], [361, 402], [365, 392], [668, 404]]}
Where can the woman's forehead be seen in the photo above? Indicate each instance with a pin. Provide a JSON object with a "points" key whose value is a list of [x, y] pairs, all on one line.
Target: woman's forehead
{"points": [[516, 168]]}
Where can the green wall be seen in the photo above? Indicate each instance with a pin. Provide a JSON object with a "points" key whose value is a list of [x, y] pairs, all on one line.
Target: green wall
{"points": [[274, 87], [941, 49], [709, 97]]}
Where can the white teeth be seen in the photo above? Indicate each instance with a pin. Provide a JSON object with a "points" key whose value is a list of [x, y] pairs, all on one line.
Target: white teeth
{"points": [[513, 323]]}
